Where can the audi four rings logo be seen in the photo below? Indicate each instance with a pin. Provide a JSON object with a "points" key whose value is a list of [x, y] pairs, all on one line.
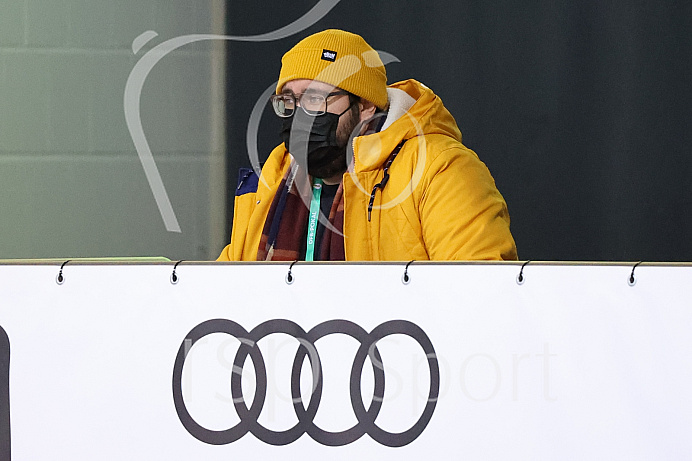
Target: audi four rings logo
{"points": [[249, 414], [4, 396]]}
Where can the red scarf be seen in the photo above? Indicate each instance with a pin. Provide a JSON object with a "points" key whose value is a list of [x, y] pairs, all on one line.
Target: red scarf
{"points": [[286, 225]]}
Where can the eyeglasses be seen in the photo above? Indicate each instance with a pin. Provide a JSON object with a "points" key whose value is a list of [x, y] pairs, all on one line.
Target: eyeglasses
{"points": [[311, 102]]}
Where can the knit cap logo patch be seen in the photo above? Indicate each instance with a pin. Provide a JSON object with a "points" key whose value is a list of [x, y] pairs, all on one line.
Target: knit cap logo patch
{"points": [[328, 55]]}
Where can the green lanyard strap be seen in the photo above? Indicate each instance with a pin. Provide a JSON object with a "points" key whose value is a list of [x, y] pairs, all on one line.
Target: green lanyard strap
{"points": [[314, 219]]}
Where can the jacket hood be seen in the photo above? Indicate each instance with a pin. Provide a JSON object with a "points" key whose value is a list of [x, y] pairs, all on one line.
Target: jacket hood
{"points": [[414, 110]]}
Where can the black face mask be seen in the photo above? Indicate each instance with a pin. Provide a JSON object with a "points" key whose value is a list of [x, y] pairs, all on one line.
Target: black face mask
{"points": [[315, 137]]}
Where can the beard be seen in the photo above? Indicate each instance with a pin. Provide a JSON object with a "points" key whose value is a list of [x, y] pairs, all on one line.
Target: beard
{"points": [[330, 161]]}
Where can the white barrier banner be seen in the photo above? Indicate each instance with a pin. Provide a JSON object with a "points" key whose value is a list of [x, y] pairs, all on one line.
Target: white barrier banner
{"points": [[350, 361]]}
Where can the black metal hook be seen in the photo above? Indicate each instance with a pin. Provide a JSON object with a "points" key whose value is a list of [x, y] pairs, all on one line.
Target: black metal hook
{"points": [[520, 277], [289, 276], [60, 279], [405, 278], [174, 276], [631, 281]]}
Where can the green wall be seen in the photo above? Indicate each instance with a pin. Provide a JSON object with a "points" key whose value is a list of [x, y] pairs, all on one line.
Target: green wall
{"points": [[71, 182]]}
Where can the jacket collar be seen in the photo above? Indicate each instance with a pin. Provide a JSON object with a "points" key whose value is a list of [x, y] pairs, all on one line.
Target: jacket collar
{"points": [[414, 110]]}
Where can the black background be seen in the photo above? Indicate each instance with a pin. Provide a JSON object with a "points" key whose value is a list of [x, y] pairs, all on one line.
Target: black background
{"points": [[581, 110]]}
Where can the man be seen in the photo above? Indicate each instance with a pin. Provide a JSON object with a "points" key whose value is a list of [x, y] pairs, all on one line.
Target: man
{"points": [[366, 171]]}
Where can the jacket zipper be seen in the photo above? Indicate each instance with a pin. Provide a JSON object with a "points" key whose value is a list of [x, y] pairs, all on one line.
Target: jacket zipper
{"points": [[380, 185]]}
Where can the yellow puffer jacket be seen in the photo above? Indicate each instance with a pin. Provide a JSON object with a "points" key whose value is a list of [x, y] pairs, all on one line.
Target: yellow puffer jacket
{"points": [[440, 202]]}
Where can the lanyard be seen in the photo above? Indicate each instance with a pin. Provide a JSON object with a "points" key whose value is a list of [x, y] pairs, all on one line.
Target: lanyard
{"points": [[314, 218]]}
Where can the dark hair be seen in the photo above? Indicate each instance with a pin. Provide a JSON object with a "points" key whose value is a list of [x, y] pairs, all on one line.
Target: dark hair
{"points": [[353, 99]]}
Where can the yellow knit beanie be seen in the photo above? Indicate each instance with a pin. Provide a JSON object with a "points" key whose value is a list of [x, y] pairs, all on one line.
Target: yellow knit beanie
{"points": [[341, 59]]}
